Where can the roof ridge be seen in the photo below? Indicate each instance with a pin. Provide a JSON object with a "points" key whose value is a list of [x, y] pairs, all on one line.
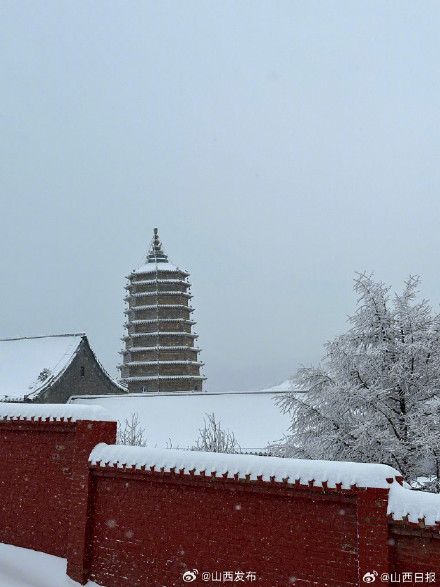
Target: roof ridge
{"points": [[43, 336]]}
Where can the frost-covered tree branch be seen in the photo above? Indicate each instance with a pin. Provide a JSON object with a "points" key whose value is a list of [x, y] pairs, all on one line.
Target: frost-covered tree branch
{"points": [[212, 438], [131, 432], [375, 397]]}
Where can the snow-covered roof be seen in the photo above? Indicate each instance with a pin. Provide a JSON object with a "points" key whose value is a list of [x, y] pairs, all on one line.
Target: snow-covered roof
{"points": [[157, 267], [72, 412], [286, 385], [156, 259], [176, 418], [28, 365], [253, 467]]}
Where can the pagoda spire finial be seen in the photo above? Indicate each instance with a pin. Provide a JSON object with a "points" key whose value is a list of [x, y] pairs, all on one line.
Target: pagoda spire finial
{"points": [[156, 241], [156, 253]]}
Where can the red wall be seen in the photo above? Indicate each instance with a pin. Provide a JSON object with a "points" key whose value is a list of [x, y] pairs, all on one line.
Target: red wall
{"points": [[41, 465], [36, 474], [132, 527], [415, 549], [162, 526]]}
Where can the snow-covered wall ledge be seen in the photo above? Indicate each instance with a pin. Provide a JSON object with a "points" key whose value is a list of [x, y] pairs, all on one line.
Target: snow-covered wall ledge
{"points": [[406, 505], [325, 474], [413, 507], [54, 412]]}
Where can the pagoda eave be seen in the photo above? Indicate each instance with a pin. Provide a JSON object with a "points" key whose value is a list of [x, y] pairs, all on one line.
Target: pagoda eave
{"points": [[154, 306], [160, 320], [159, 348], [163, 378], [154, 281], [158, 294], [156, 269], [159, 363]]}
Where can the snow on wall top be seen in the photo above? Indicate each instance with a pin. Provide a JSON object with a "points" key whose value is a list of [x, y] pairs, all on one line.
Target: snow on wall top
{"points": [[417, 505], [27, 365], [56, 412], [403, 503], [331, 472]]}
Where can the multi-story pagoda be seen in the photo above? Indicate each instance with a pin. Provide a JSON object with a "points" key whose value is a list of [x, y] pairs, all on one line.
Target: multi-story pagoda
{"points": [[159, 354]]}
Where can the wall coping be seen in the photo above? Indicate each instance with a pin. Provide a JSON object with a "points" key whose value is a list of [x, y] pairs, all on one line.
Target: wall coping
{"points": [[54, 412], [414, 507], [405, 505], [326, 474]]}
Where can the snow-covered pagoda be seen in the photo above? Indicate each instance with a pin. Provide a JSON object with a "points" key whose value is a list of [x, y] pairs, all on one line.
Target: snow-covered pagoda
{"points": [[160, 354]]}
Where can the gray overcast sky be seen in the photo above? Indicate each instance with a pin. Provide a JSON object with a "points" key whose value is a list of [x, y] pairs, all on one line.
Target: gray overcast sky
{"points": [[279, 147]]}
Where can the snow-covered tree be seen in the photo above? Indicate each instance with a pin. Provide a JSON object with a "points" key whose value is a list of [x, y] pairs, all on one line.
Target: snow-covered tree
{"points": [[212, 438], [44, 374], [131, 432], [375, 395]]}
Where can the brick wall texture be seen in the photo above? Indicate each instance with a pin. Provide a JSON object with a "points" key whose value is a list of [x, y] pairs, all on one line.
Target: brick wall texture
{"points": [[121, 526]]}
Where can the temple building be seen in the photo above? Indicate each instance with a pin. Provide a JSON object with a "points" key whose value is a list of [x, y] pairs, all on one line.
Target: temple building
{"points": [[49, 369], [159, 353]]}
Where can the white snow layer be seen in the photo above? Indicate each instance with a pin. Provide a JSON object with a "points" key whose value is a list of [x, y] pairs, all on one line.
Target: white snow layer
{"points": [[22, 567], [286, 385], [57, 412], [29, 364], [174, 419], [278, 469], [153, 267], [417, 505]]}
